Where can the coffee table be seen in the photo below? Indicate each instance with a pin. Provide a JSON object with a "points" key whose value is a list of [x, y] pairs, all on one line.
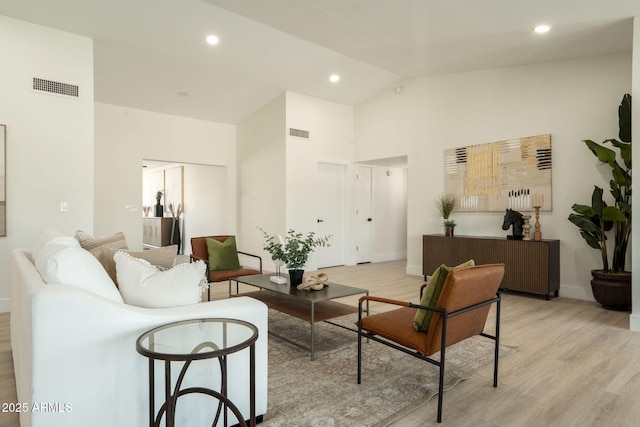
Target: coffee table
{"points": [[309, 306]]}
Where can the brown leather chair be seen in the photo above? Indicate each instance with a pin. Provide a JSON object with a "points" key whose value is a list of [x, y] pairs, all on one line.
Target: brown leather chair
{"points": [[461, 313], [199, 251]]}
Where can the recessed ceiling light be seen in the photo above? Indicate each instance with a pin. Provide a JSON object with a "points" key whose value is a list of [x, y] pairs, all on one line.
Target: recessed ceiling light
{"points": [[334, 78], [213, 39], [541, 29]]}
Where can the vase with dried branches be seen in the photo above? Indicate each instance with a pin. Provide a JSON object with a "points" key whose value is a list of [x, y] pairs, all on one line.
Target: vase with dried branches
{"points": [[176, 238]]}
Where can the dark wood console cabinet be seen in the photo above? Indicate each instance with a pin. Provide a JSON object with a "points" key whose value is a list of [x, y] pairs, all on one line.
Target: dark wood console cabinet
{"points": [[530, 266]]}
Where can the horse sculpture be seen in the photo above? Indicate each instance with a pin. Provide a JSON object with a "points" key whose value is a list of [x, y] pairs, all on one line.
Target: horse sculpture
{"points": [[514, 218]]}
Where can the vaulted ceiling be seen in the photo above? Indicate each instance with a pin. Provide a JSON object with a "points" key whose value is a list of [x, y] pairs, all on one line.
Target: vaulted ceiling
{"points": [[152, 54]]}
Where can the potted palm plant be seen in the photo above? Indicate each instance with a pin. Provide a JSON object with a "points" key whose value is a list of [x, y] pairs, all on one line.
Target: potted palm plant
{"points": [[445, 204], [611, 285], [293, 250]]}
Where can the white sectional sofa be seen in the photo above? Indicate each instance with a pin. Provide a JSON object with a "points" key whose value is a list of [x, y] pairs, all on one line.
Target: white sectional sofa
{"points": [[75, 359]]}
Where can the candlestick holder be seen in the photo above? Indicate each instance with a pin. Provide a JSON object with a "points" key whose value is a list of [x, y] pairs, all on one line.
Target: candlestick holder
{"points": [[526, 226], [537, 235]]}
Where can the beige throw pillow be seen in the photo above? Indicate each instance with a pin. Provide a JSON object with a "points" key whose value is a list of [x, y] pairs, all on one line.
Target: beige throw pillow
{"points": [[93, 244], [164, 257]]}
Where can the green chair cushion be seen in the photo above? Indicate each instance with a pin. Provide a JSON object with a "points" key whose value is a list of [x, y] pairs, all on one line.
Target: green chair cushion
{"points": [[431, 294], [223, 255]]}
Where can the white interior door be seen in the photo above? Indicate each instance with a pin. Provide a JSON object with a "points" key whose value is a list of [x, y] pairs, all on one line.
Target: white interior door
{"points": [[331, 213], [364, 218]]}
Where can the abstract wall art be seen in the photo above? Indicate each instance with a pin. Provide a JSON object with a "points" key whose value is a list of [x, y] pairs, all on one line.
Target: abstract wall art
{"points": [[513, 174]]}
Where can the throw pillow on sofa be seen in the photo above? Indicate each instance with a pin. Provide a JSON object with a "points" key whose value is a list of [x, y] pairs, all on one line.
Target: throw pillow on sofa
{"points": [[75, 266], [164, 257], [93, 244], [51, 236], [143, 285], [431, 294]]}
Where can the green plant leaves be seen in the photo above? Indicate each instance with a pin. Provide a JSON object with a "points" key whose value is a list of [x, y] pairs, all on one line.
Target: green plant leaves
{"points": [[584, 223], [596, 201], [604, 154], [624, 118], [294, 249], [595, 220], [611, 213]]}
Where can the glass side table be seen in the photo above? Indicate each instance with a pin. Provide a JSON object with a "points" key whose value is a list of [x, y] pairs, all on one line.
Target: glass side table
{"points": [[198, 339]]}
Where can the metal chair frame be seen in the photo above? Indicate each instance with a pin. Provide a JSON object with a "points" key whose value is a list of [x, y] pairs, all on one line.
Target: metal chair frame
{"points": [[445, 316], [193, 258]]}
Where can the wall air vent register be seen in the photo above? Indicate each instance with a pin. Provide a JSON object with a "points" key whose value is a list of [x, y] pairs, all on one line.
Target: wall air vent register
{"points": [[299, 133], [57, 88]]}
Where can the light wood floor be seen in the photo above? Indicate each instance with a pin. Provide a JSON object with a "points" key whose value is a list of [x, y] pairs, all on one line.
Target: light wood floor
{"points": [[576, 365]]}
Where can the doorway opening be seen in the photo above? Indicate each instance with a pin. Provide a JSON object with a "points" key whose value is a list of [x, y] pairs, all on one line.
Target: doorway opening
{"points": [[203, 193], [331, 213], [381, 210]]}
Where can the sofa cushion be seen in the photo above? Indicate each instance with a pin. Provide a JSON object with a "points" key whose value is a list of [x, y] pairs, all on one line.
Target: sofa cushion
{"points": [[72, 265], [164, 257], [431, 294], [51, 236], [223, 255], [143, 285], [93, 244]]}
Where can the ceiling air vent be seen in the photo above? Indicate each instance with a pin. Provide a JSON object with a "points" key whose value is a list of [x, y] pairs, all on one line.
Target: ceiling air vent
{"points": [[57, 88], [299, 133]]}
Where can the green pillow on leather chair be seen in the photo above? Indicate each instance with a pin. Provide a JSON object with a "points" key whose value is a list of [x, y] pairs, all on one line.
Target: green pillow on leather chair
{"points": [[223, 255], [431, 295]]}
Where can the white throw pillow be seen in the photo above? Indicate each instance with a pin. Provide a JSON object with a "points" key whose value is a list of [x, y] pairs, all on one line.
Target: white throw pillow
{"points": [[143, 285], [77, 267], [51, 236]]}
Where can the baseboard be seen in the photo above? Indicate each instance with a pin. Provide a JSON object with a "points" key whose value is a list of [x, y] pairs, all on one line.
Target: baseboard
{"points": [[414, 270], [576, 292], [5, 305], [634, 322], [389, 257]]}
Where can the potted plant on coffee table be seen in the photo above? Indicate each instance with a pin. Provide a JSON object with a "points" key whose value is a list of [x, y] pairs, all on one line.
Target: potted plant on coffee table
{"points": [[611, 285], [293, 250]]}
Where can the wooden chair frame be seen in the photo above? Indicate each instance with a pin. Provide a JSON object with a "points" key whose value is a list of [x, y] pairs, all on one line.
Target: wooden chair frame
{"points": [[445, 316]]}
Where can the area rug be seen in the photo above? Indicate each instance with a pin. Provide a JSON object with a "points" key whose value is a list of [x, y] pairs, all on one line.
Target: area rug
{"points": [[324, 392]]}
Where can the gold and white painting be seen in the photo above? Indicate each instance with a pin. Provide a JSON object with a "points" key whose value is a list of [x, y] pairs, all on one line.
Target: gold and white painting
{"points": [[512, 174]]}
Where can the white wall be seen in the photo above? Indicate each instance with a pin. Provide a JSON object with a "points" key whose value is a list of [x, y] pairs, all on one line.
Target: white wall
{"points": [[278, 173], [211, 206], [125, 136], [49, 137], [330, 127], [572, 100], [261, 177]]}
